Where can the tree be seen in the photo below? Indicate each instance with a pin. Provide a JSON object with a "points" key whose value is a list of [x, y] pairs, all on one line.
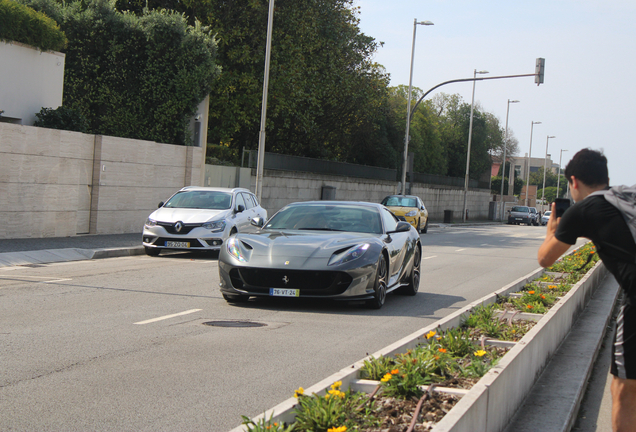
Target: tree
{"points": [[136, 77]]}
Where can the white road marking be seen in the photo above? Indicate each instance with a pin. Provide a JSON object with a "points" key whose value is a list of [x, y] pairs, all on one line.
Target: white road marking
{"points": [[48, 278], [459, 250], [485, 244], [429, 257], [168, 316]]}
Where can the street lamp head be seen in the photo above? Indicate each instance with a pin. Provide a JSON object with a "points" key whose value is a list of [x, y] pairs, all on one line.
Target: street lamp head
{"points": [[534, 122], [551, 136], [513, 101], [425, 23], [481, 72]]}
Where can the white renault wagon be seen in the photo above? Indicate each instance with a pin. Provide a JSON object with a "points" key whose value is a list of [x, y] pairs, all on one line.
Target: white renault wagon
{"points": [[200, 218]]}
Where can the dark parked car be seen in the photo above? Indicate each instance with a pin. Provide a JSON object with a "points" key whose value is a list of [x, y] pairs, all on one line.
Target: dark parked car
{"points": [[519, 215], [323, 249]]}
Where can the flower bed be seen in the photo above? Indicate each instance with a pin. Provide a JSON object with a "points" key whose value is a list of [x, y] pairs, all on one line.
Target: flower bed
{"points": [[443, 377]]}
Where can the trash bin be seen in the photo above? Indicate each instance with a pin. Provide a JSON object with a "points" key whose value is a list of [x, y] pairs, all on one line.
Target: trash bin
{"points": [[448, 216], [328, 193]]}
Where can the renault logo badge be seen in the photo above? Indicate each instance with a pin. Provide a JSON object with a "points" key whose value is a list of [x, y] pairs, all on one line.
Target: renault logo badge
{"points": [[178, 226], [285, 280]]}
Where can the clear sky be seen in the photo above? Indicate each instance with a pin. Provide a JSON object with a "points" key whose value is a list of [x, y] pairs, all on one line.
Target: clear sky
{"points": [[589, 95]]}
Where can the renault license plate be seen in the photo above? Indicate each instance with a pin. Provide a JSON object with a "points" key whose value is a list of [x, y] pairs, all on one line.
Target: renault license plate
{"points": [[176, 244], [284, 292]]}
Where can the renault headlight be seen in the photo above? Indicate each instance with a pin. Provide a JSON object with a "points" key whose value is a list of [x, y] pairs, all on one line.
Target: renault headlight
{"points": [[150, 223], [237, 249], [350, 254], [215, 226], [411, 213]]}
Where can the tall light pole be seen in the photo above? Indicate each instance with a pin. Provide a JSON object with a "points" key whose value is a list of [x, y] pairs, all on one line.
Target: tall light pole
{"points": [[545, 167], [529, 156], [470, 136], [408, 106], [261, 135], [503, 168], [559, 176]]}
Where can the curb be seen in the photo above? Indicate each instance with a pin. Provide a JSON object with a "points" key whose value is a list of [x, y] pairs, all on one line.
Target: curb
{"points": [[64, 255], [493, 401]]}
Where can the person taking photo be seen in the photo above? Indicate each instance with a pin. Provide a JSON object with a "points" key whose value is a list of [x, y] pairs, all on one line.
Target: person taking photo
{"points": [[594, 217]]}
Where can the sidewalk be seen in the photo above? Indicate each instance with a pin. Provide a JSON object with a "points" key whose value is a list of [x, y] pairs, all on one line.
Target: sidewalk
{"points": [[62, 249]]}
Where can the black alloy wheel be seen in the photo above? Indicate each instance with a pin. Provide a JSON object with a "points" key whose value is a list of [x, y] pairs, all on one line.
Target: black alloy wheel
{"points": [[379, 289], [414, 278]]}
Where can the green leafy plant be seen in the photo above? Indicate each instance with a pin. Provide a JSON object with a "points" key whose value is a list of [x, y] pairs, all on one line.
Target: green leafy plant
{"points": [[21, 23], [264, 425], [61, 118], [335, 410]]}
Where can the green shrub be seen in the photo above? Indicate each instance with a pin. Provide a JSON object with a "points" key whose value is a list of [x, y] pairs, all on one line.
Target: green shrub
{"points": [[20, 23], [61, 118]]}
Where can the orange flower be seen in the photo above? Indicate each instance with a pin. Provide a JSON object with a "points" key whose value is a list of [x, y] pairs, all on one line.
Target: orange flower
{"points": [[530, 292], [529, 306], [395, 372], [542, 296], [442, 350]]}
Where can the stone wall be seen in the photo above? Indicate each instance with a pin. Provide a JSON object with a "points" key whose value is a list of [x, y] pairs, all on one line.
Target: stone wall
{"points": [[58, 183]]}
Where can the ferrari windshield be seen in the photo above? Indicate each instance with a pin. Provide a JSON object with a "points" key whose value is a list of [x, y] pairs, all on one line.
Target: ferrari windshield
{"points": [[210, 200], [399, 201], [327, 217]]}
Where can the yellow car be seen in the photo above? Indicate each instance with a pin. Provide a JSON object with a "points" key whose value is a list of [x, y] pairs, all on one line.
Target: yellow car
{"points": [[410, 208]]}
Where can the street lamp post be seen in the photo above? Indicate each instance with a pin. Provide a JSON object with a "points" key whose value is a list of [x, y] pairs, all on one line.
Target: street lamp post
{"points": [[545, 167], [503, 168], [408, 106], [528, 166], [470, 136], [261, 135], [559, 176]]}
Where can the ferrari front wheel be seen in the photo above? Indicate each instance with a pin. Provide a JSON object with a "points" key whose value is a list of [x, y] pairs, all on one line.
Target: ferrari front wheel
{"points": [[379, 289], [414, 278]]}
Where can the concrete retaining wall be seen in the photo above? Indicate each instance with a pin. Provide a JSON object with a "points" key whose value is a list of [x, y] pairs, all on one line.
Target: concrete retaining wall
{"points": [[58, 183]]}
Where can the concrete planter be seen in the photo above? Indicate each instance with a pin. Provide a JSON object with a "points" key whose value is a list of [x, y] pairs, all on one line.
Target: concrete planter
{"points": [[491, 403]]}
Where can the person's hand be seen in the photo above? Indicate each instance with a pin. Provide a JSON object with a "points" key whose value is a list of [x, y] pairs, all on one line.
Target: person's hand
{"points": [[553, 222]]}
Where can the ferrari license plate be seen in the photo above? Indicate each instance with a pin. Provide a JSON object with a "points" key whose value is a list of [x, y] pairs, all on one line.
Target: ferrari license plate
{"points": [[284, 292], [176, 244]]}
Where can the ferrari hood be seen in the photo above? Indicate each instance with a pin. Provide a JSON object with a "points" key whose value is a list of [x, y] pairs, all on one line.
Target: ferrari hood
{"points": [[187, 215], [295, 248]]}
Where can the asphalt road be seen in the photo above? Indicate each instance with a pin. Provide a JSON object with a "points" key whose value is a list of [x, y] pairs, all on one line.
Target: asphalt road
{"points": [[123, 344]]}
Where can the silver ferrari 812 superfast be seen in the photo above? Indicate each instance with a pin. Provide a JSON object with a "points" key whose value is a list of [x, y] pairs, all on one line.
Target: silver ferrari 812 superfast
{"points": [[323, 249]]}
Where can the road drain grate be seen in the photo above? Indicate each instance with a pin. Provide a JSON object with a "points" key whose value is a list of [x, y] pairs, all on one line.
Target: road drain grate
{"points": [[234, 324]]}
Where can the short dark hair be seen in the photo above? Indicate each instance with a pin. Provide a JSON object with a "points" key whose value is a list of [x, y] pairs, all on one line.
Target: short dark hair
{"points": [[589, 166]]}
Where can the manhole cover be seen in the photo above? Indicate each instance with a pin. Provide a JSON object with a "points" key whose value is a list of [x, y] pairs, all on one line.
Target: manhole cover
{"points": [[234, 324]]}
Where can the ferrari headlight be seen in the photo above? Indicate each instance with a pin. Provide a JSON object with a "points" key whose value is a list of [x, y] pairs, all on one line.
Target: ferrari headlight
{"points": [[350, 254], [150, 223], [215, 226], [411, 213], [236, 250]]}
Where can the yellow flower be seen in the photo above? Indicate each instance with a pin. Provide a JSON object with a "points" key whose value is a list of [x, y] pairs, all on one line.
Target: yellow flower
{"points": [[430, 334], [386, 377], [299, 392], [480, 353], [530, 292], [337, 393], [442, 350], [395, 371], [337, 429], [336, 385]]}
